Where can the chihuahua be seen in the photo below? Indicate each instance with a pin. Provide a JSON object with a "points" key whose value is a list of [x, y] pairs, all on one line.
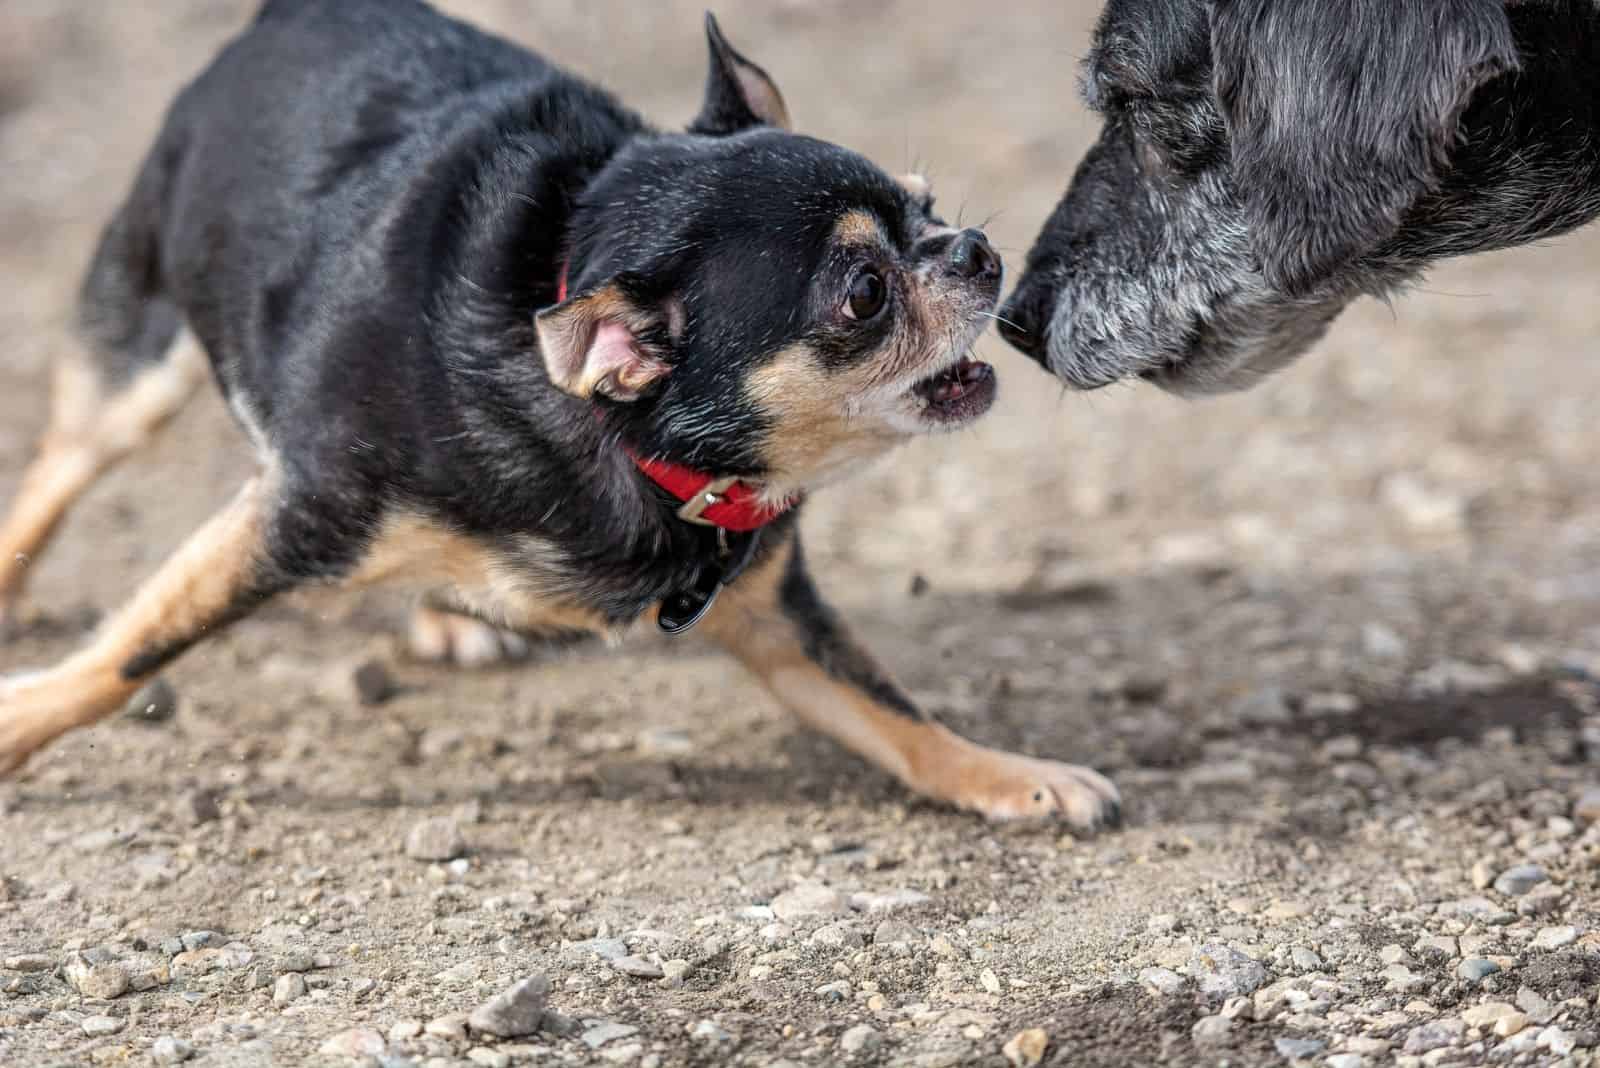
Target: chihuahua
{"points": [[492, 334]]}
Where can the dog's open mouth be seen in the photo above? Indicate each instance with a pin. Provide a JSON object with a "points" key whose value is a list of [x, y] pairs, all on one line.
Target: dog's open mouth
{"points": [[960, 392]]}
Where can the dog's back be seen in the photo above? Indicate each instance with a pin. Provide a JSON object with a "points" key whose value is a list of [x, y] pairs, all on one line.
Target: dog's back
{"points": [[368, 109]]}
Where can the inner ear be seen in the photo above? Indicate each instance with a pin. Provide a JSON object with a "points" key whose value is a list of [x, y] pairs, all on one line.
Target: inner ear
{"points": [[739, 94], [595, 343], [1342, 114]]}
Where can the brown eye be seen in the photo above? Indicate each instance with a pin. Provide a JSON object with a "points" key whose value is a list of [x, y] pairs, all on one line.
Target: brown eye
{"points": [[867, 296]]}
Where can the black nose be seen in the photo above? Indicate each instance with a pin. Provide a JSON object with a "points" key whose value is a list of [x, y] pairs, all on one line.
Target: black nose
{"points": [[1023, 322], [971, 256]]}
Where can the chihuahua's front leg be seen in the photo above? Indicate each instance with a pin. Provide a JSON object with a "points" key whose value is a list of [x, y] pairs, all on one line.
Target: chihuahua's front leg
{"points": [[774, 621]]}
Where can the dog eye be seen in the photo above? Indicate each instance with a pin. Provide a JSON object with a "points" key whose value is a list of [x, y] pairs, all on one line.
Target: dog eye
{"points": [[868, 295]]}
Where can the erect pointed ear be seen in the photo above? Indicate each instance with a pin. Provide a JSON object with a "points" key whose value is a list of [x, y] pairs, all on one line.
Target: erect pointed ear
{"points": [[1342, 115], [593, 344], [739, 94], [916, 186]]}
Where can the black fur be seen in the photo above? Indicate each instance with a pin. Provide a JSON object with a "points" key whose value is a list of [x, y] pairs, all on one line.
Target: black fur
{"points": [[360, 207], [1264, 162], [827, 644]]}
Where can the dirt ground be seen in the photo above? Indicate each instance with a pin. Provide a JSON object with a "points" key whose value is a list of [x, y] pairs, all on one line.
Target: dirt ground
{"points": [[1335, 639]]}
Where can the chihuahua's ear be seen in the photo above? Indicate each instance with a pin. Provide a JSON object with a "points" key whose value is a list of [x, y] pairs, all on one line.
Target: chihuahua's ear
{"points": [[594, 344], [739, 94]]}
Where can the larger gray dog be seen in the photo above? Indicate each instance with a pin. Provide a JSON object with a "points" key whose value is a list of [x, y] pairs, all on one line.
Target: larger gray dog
{"points": [[1264, 162]]}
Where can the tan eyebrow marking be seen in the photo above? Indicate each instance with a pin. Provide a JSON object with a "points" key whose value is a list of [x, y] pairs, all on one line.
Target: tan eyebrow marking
{"points": [[858, 227]]}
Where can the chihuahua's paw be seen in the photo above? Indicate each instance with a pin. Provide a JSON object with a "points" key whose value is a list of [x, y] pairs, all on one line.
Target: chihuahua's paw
{"points": [[1005, 786], [452, 638]]}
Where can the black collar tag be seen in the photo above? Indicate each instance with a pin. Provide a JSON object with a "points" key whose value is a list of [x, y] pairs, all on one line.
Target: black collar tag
{"points": [[683, 608]]}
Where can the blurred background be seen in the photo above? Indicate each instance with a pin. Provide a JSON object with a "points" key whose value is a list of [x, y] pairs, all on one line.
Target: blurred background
{"points": [[1164, 589]]}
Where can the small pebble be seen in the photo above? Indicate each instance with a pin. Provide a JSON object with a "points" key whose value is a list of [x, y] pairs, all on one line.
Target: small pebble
{"points": [[638, 967], [438, 838], [1556, 1041], [1475, 969], [811, 899], [1211, 1030], [1346, 1060], [171, 1050], [708, 1031], [1533, 1003], [489, 1058], [841, 936], [990, 981], [1587, 808], [452, 1026], [1514, 882], [199, 807], [356, 1043], [193, 940], [102, 981], [895, 932], [1482, 875], [1435, 1035], [403, 1030], [1224, 972], [156, 702], [28, 962], [1486, 1014], [1555, 937], [516, 1011], [289, 988], [600, 1034], [1162, 981], [861, 1038], [1304, 959], [1402, 980], [604, 948], [363, 682], [100, 1026], [889, 900], [1026, 1048], [1295, 1049]]}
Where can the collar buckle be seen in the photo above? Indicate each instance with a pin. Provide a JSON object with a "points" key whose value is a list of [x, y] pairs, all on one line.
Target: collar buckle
{"points": [[706, 496]]}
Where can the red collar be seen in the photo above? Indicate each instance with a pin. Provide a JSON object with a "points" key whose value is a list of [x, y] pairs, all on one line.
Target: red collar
{"points": [[709, 500]]}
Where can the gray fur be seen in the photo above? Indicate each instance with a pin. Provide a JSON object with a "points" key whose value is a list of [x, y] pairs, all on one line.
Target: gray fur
{"points": [[1265, 162]]}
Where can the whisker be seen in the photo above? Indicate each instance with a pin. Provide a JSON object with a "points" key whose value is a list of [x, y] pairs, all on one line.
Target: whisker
{"points": [[1003, 319]]}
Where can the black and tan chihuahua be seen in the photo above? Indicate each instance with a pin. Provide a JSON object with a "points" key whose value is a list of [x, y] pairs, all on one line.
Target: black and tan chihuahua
{"points": [[491, 333]]}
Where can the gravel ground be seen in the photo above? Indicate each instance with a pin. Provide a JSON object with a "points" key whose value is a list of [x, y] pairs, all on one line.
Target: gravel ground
{"points": [[1336, 640]]}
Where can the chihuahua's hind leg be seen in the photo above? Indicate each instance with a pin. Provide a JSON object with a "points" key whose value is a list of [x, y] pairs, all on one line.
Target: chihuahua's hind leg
{"points": [[135, 369], [775, 622], [93, 424], [220, 574], [444, 636]]}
